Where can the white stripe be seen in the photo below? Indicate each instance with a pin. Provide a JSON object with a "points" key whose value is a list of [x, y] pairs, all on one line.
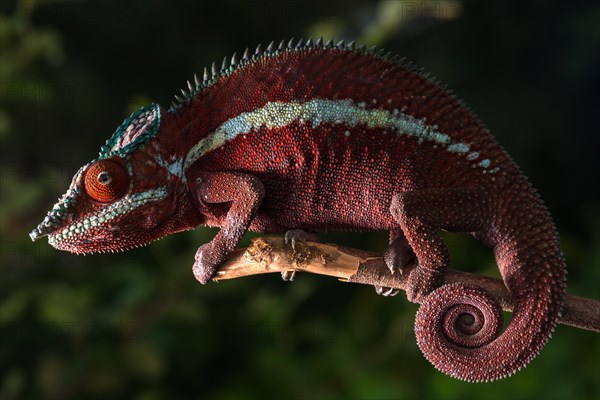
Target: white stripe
{"points": [[319, 111]]}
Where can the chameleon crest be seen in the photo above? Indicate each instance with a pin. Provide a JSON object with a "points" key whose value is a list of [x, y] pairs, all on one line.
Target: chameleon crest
{"points": [[314, 136]]}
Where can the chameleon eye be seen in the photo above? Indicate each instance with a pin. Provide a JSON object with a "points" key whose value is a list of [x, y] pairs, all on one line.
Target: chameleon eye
{"points": [[105, 181]]}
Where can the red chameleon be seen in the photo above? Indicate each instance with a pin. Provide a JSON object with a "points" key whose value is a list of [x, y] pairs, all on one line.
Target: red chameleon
{"points": [[314, 136]]}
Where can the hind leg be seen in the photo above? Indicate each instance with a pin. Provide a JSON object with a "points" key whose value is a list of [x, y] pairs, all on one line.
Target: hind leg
{"points": [[421, 214]]}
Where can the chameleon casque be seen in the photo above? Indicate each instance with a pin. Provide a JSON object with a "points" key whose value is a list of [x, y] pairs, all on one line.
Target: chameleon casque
{"points": [[320, 136]]}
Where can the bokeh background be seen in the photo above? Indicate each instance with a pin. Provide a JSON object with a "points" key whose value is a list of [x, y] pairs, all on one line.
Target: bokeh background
{"points": [[137, 325]]}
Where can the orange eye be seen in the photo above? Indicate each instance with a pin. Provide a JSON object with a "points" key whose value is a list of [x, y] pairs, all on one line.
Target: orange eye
{"points": [[105, 181]]}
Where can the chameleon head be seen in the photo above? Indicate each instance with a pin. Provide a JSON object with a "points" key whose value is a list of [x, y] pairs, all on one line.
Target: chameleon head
{"points": [[118, 201]]}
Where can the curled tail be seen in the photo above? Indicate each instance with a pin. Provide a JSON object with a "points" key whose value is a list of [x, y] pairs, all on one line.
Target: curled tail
{"points": [[458, 326]]}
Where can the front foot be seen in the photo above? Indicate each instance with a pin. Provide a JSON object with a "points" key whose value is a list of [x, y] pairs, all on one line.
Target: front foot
{"points": [[421, 283], [207, 260], [298, 235], [292, 237]]}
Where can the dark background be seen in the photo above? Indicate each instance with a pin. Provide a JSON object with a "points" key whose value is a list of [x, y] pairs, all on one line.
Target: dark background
{"points": [[137, 325]]}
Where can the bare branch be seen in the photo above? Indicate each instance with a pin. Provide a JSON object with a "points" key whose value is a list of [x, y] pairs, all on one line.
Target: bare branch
{"points": [[270, 254]]}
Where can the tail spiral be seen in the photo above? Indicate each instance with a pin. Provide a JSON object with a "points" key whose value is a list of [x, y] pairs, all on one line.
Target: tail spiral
{"points": [[458, 329]]}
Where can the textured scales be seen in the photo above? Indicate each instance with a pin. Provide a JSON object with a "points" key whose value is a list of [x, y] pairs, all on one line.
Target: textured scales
{"points": [[317, 136]]}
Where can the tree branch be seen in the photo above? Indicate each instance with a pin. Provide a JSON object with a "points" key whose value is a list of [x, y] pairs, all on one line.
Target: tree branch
{"points": [[270, 254]]}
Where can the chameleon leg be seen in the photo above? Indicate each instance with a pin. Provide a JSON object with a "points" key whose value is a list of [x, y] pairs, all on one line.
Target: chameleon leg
{"points": [[245, 192], [421, 214], [292, 237], [398, 257]]}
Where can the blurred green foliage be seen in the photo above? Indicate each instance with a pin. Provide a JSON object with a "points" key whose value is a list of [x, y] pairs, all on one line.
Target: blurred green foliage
{"points": [[137, 325]]}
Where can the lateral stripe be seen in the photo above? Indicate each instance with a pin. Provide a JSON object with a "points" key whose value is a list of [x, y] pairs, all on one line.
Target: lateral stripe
{"points": [[319, 111]]}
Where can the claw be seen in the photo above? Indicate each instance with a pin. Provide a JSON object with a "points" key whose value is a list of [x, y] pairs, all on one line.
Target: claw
{"points": [[386, 291], [298, 235], [288, 276], [290, 239]]}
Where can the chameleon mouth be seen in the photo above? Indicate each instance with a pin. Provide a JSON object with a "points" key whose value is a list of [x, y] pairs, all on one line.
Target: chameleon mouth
{"points": [[56, 217], [91, 242], [47, 227], [68, 236]]}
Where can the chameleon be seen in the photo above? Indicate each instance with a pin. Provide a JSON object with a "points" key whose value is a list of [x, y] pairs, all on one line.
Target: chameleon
{"points": [[310, 136]]}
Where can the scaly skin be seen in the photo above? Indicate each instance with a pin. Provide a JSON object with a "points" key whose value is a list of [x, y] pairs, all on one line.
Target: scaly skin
{"points": [[322, 137]]}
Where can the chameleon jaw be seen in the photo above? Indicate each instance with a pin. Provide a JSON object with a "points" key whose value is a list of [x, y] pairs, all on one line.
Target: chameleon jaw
{"points": [[117, 209], [78, 235], [44, 229]]}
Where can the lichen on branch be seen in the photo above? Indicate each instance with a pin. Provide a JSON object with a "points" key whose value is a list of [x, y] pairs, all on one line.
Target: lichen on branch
{"points": [[271, 254]]}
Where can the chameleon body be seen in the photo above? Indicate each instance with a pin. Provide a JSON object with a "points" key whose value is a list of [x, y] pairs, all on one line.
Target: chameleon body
{"points": [[317, 136]]}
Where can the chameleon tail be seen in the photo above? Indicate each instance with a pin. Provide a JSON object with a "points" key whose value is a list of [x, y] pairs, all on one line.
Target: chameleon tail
{"points": [[458, 327]]}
